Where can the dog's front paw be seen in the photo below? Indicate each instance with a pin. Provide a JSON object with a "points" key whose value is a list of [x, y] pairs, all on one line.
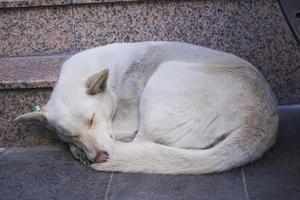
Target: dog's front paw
{"points": [[79, 154], [84, 160]]}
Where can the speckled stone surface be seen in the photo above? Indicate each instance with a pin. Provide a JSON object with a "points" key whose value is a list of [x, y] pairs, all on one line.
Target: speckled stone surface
{"points": [[14, 103], [30, 72], [253, 30], [36, 31], [102, 1], [28, 3], [32, 3]]}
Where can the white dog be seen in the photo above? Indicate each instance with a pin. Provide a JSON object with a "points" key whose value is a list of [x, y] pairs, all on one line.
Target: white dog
{"points": [[188, 109]]}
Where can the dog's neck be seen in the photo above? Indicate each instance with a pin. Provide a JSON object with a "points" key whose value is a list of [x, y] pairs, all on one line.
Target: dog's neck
{"points": [[128, 82]]}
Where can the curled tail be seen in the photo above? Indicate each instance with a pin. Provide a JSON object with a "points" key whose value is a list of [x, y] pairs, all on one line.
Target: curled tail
{"points": [[237, 149]]}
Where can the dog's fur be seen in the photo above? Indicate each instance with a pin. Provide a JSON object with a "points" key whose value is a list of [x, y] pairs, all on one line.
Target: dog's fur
{"points": [[188, 109]]}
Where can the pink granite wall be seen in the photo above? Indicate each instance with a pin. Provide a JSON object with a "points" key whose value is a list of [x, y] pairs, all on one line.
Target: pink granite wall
{"points": [[253, 29], [14, 103]]}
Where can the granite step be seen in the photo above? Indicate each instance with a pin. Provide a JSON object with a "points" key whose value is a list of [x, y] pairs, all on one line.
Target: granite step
{"points": [[30, 72], [25, 82]]}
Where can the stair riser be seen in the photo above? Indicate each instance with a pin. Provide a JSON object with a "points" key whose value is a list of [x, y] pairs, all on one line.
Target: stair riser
{"points": [[14, 103]]}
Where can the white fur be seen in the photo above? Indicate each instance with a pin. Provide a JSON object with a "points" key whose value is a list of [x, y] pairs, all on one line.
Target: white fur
{"points": [[195, 110]]}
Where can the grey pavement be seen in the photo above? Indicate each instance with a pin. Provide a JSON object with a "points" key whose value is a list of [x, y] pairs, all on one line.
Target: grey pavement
{"points": [[50, 172]]}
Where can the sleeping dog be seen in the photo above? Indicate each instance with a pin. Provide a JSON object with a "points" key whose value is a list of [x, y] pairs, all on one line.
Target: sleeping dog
{"points": [[161, 107]]}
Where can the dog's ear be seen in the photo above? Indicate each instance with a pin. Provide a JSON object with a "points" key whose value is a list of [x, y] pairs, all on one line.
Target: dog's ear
{"points": [[32, 116], [97, 82]]}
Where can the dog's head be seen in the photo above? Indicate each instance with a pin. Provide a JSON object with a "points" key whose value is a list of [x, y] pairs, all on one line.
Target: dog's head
{"points": [[80, 113]]}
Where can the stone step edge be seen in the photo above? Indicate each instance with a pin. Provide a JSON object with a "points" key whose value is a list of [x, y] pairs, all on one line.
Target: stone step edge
{"points": [[42, 147], [30, 72], [42, 3]]}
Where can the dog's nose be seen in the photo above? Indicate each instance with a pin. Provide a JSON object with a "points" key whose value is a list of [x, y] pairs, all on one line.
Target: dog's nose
{"points": [[101, 156]]}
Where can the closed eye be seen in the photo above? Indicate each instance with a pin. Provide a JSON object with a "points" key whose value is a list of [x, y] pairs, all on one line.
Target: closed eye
{"points": [[91, 121]]}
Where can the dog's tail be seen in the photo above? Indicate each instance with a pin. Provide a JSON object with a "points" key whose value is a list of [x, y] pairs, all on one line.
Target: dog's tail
{"points": [[237, 149]]}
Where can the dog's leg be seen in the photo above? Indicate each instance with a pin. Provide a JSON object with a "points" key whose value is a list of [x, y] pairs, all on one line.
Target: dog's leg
{"points": [[79, 154]]}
